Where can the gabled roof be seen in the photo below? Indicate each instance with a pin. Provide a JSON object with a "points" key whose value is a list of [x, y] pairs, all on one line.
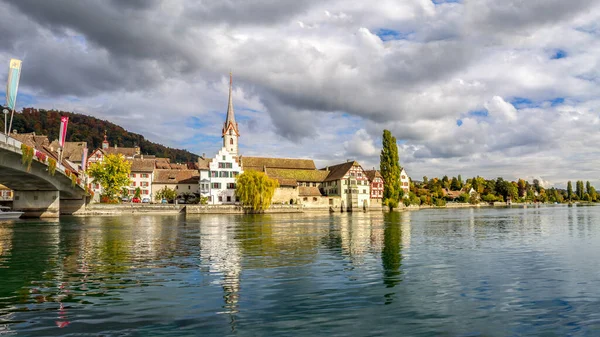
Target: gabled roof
{"points": [[176, 176], [126, 151], [298, 175], [372, 174], [259, 163], [337, 172], [203, 163], [142, 165], [305, 191], [31, 139], [72, 151]]}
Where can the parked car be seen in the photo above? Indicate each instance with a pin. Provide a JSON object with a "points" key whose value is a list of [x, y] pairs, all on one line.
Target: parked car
{"points": [[180, 201], [125, 199], [136, 200], [145, 200], [163, 201]]}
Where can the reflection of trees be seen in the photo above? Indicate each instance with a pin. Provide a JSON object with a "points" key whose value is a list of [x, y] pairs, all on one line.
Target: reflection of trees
{"points": [[275, 242], [391, 256]]}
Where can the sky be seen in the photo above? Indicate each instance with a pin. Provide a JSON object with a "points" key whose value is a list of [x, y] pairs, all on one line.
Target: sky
{"points": [[473, 87]]}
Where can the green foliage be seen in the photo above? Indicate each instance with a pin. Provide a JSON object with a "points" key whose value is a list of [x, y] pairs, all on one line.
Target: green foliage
{"points": [[255, 190], [51, 166], [166, 193], [569, 190], [27, 156], [390, 169], [112, 174], [203, 200], [137, 193], [88, 129], [464, 197], [406, 201], [440, 202]]}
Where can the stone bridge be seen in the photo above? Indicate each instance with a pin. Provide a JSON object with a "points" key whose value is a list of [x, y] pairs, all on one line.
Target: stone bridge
{"points": [[37, 193]]}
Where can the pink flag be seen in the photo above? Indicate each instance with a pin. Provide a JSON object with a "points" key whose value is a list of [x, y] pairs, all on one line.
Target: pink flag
{"points": [[62, 136], [84, 159]]}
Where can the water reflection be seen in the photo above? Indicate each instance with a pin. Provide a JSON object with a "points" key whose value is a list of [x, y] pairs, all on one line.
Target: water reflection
{"points": [[435, 272]]}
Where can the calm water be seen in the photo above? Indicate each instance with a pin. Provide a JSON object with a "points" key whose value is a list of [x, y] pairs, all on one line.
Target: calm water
{"points": [[466, 272]]}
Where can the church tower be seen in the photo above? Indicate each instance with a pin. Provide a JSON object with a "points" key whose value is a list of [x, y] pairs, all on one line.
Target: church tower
{"points": [[230, 128]]}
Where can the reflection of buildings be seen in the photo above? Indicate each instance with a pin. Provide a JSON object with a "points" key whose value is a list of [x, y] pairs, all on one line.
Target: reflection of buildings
{"points": [[220, 251]]}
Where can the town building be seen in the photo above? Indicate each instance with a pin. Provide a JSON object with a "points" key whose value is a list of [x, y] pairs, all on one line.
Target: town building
{"points": [[182, 181], [404, 182], [142, 176], [350, 182], [299, 180], [5, 193], [376, 184], [218, 177]]}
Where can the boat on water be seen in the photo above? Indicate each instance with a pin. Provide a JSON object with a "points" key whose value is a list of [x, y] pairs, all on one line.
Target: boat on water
{"points": [[7, 213]]}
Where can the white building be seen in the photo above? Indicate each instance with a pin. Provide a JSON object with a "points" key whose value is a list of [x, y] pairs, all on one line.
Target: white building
{"points": [[404, 182], [142, 175], [218, 181]]}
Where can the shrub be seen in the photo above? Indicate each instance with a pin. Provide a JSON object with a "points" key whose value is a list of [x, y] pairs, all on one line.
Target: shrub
{"points": [[27, 156]]}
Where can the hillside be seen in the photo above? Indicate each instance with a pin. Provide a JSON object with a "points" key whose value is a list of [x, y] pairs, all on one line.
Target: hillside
{"points": [[89, 129]]}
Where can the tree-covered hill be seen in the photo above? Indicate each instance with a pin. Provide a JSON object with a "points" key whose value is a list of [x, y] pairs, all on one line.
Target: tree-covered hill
{"points": [[89, 129]]}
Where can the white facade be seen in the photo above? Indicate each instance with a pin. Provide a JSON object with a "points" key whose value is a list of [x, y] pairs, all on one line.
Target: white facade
{"points": [[222, 175], [143, 180], [404, 182]]}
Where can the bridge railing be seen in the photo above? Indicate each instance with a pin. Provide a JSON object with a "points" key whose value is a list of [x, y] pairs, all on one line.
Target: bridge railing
{"points": [[15, 146]]}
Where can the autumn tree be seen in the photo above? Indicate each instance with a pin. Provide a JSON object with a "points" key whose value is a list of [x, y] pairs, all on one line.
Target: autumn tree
{"points": [[112, 174], [390, 170], [255, 190]]}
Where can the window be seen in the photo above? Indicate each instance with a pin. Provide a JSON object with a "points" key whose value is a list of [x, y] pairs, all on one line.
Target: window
{"points": [[133, 183], [231, 141], [189, 187], [229, 165], [213, 174], [216, 185], [403, 177], [330, 201], [314, 184], [352, 174], [220, 199], [228, 198], [364, 191], [224, 158], [144, 175], [221, 165], [305, 199], [132, 175], [145, 192], [237, 199], [176, 187], [235, 173], [210, 198], [231, 186], [144, 184], [359, 174], [314, 198], [223, 174]]}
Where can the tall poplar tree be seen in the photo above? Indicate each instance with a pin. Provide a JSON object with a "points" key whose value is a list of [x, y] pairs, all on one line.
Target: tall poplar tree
{"points": [[569, 190], [390, 170]]}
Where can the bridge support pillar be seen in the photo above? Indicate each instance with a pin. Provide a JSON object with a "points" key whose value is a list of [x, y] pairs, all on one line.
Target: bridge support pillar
{"points": [[37, 204], [73, 206]]}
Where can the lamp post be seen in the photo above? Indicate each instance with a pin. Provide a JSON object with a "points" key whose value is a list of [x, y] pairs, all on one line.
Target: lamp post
{"points": [[5, 111]]}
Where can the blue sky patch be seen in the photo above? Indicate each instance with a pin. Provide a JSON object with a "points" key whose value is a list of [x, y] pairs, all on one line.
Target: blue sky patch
{"points": [[390, 34], [479, 113], [439, 2], [459, 122], [557, 101], [558, 54], [23, 100]]}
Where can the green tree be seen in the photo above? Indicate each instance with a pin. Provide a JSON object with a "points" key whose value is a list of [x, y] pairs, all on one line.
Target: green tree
{"points": [[445, 182], [522, 188], [112, 174], [588, 187], [455, 185], [255, 190], [166, 193], [579, 189], [569, 190], [138, 193], [390, 170]]}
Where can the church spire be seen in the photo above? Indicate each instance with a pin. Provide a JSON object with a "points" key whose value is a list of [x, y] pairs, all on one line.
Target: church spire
{"points": [[230, 127], [230, 114]]}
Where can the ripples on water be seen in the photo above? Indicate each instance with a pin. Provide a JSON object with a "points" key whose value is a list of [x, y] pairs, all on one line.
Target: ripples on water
{"points": [[464, 272]]}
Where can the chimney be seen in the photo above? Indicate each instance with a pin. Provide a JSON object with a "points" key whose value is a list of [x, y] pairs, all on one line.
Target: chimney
{"points": [[203, 155]]}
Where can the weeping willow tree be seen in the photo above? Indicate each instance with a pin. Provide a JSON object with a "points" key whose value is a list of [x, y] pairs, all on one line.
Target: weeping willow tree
{"points": [[255, 190]]}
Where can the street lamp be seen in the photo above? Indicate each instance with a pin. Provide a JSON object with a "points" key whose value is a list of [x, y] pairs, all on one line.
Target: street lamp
{"points": [[5, 111]]}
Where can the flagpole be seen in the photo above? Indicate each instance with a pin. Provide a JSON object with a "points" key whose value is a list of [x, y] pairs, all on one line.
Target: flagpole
{"points": [[11, 117]]}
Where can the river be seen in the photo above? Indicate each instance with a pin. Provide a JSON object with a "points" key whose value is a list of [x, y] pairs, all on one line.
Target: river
{"points": [[456, 272]]}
